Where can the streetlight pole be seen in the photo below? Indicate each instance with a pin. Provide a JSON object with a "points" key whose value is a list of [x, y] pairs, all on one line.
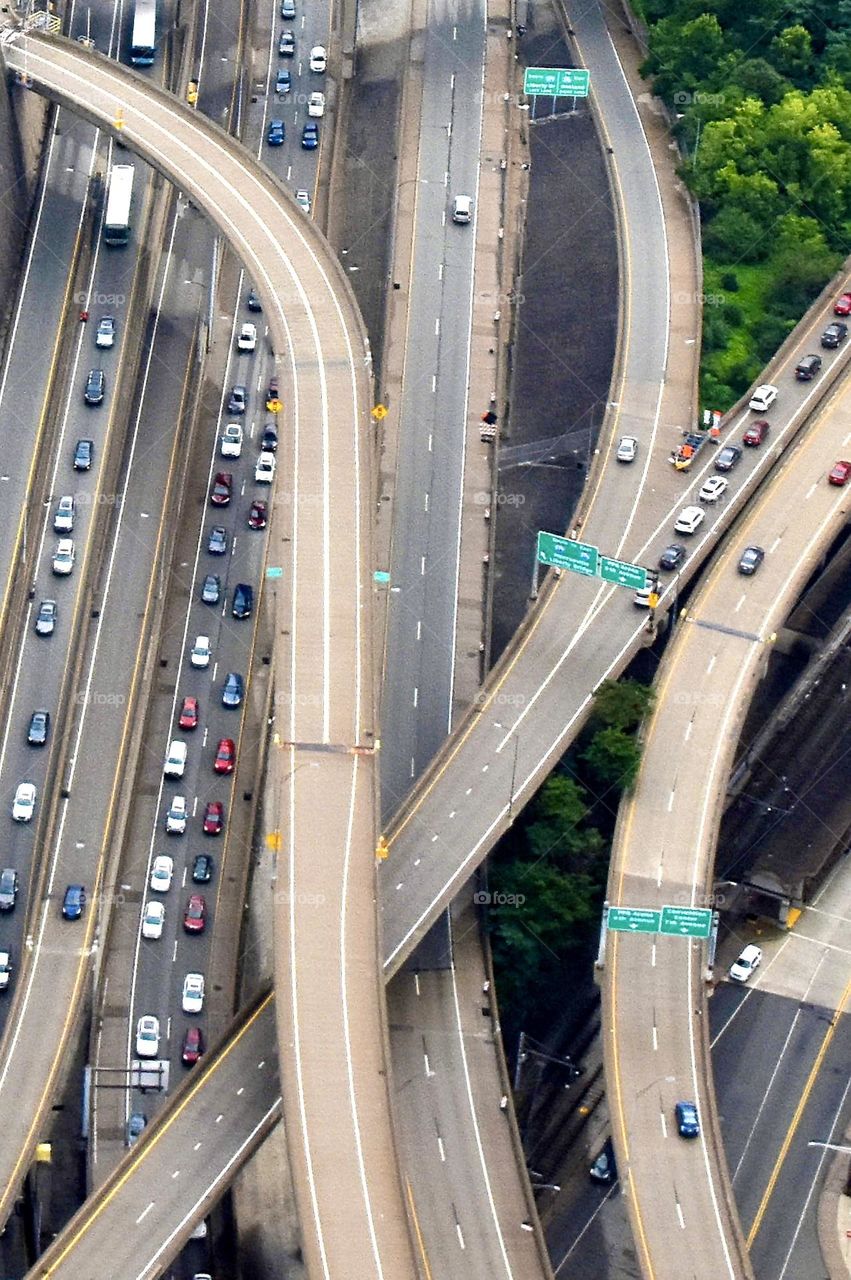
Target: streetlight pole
{"points": [[513, 777]]}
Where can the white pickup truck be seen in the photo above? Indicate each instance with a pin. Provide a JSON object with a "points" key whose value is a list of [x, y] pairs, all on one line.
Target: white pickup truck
{"points": [[231, 443]]}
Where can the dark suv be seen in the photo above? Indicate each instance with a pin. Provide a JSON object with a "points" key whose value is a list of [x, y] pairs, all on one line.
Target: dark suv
{"points": [[83, 452], [834, 334], [95, 385], [8, 888], [807, 368], [243, 600]]}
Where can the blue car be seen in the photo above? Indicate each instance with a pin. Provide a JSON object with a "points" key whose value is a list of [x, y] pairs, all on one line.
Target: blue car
{"points": [[688, 1125], [310, 136], [232, 690], [283, 82], [74, 902], [275, 134]]}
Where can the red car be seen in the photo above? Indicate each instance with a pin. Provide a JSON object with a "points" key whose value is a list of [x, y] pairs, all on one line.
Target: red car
{"points": [[195, 915], [842, 305], [257, 516], [189, 714], [840, 473], [272, 395], [755, 433], [222, 489], [225, 756], [193, 1046], [214, 818]]}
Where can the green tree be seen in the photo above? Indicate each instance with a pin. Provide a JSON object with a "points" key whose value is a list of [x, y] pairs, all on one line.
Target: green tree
{"points": [[622, 704], [734, 235], [613, 758], [791, 52]]}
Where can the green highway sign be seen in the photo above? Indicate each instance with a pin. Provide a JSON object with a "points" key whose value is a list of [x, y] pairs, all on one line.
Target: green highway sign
{"points": [[687, 922], [556, 82], [564, 553], [623, 573], [633, 920], [274, 572]]}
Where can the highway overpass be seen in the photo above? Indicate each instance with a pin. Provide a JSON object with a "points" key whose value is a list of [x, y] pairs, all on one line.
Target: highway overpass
{"points": [[323, 762]]}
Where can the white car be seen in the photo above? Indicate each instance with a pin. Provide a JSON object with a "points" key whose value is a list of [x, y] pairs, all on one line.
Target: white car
{"points": [[712, 489], [318, 58], [316, 105], [175, 760], [161, 873], [689, 519], [105, 336], [63, 519], [147, 1036], [746, 964], [462, 210], [23, 805], [153, 919], [264, 472], [200, 653], [247, 337], [193, 993], [63, 557], [302, 199], [627, 449], [642, 597], [175, 818], [231, 443], [763, 398]]}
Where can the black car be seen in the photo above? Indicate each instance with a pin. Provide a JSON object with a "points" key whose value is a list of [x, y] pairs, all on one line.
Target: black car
{"points": [[211, 589], [45, 619], [95, 386], [673, 556], [39, 728], [253, 301], [286, 45], [750, 560], [806, 369], [202, 869], [217, 543], [269, 439], [232, 690], [8, 888], [729, 456], [243, 600], [74, 902], [83, 454], [236, 399], [834, 334]]}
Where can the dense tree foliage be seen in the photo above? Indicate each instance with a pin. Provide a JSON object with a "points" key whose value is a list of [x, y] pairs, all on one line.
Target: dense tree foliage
{"points": [[761, 96]]}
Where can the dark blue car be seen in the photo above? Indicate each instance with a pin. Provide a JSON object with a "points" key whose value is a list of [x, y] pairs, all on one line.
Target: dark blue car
{"points": [[688, 1125], [74, 902], [310, 136], [276, 133]]}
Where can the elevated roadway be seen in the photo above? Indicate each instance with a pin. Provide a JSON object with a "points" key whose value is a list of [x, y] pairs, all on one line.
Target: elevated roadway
{"points": [[323, 768], [149, 1205], [657, 1053]]}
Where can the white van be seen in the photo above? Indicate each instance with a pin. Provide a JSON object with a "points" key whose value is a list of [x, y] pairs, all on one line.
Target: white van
{"points": [[175, 760]]}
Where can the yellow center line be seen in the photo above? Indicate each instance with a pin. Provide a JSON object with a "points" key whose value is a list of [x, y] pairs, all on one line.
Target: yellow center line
{"points": [[796, 1118], [423, 1255]]}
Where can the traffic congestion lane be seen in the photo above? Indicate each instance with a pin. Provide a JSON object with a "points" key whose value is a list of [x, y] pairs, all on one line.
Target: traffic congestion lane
{"points": [[84, 818], [160, 967]]}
